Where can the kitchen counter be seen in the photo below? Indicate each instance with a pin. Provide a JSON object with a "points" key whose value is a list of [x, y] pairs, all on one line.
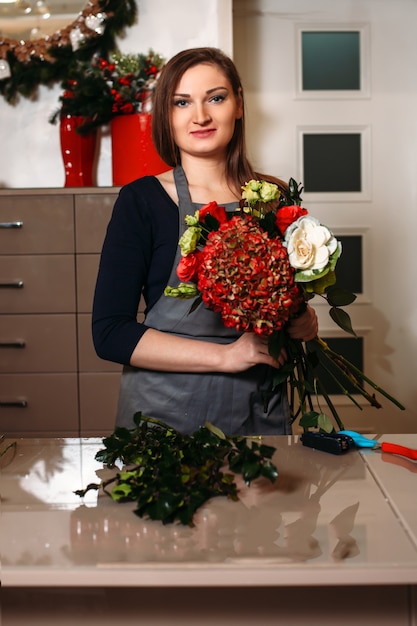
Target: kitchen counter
{"points": [[338, 523]]}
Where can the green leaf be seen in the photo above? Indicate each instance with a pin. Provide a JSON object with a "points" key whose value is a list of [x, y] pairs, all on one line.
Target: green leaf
{"points": [[309, 420], [126, 476], [215, 430], [309, 275], [121, 491], [295, 190], [339, 297], [267, 451], [250, 471], [269, 471], [342, 319], [280, 375], [324, 423]]}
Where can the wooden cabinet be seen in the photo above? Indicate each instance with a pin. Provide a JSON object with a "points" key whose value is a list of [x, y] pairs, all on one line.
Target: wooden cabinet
{"points": [[51, 381]]}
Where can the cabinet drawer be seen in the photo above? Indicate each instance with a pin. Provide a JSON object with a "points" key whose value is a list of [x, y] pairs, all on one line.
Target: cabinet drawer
{"points": [[36, 224], [87, 268], [98, 403], [87, 357], [38, 343], [37, 284], [36, 404], [92, 214]]}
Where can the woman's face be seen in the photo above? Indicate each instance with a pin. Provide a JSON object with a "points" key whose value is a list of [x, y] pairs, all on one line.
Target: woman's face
{"points": [[204, 112]]}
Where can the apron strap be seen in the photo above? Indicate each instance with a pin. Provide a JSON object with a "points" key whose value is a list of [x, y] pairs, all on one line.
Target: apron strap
{"points": [[185, 205]]}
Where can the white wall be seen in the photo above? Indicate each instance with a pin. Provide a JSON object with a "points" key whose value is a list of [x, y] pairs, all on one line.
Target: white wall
{"points": [[30, 153]]}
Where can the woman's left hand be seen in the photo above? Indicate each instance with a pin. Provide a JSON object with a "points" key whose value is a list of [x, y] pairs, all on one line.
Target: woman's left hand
{"points": [[304, 327]]}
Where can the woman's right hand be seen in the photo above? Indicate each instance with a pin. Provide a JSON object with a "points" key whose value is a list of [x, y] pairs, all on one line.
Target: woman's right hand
{"points": [[249, 350]]}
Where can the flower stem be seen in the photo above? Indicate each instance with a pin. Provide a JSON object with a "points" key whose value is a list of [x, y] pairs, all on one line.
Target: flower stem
{"points": [[348, 368]]}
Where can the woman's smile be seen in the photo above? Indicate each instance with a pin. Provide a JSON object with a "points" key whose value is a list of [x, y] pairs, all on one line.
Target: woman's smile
{"points": [[203, 133]]}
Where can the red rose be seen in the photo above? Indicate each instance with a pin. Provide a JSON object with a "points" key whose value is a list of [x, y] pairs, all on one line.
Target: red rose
{"points": [[286, 215], [189, 265], [216, 211]]}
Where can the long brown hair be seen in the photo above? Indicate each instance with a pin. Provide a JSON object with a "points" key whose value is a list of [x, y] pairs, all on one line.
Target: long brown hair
{"points": [[238, 168]]}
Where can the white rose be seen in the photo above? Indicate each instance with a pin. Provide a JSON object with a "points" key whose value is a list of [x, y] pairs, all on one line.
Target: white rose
{"points": [[309, 244]]}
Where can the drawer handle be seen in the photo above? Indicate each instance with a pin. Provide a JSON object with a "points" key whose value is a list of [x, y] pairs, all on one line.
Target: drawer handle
{"points": [[12, 343], [21, 403], [11, 224], [14, 284]]}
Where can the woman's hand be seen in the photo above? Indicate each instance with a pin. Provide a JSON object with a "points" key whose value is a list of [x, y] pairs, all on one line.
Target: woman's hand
{"points": [[304, 327], [164, 352], [249, 350]]}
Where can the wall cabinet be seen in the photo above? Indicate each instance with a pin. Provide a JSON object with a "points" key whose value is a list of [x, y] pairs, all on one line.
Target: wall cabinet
{"points": [[51, 381]]}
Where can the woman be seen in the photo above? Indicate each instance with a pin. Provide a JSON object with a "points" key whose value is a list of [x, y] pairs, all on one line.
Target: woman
{"points": [[185, 368]]}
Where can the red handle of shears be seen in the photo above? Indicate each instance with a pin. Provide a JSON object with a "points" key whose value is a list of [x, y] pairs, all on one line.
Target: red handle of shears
{"points": [[394, 448]]}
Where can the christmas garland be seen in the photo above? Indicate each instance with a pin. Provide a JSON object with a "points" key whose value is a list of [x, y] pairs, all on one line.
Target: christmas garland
{"points": [[24, 65]]}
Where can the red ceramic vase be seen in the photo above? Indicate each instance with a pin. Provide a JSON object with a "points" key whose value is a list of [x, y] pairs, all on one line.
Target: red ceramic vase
{"points": [[78, 152], [133, 152]]}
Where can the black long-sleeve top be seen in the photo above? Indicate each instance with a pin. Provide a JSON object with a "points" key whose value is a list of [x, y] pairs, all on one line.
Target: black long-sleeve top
{"points": [[136, 260]]}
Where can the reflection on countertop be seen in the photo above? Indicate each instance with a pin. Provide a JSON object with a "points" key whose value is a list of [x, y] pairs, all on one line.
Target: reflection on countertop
{"points": [[324, 510]]}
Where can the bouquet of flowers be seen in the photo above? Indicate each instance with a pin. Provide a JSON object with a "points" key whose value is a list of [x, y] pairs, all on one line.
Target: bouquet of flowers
{"points": [[131, 79], [257, 268]]}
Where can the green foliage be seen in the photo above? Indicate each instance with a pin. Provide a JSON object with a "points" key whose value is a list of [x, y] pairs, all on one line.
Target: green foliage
{"points": [[26, 76], [294, 193], [101, 88], [170, 475]]}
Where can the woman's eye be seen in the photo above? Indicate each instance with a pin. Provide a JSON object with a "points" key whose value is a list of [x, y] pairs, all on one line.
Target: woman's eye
{"points": [[180, 103], [218, 98]]}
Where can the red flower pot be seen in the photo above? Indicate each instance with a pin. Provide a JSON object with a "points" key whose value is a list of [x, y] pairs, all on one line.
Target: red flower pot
{"points": [[78, 152], [133, 152]]}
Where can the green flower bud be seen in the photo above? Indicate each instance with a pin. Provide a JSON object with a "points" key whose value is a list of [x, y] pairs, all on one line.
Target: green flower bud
{"points": [[183, 290], [269, 192], [192, 220], [189, 239]]}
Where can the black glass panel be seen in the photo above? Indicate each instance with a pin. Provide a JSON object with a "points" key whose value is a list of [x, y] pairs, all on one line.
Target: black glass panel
{"points": [[349, 268], [330, 60], [351, 348], [332, 162]]}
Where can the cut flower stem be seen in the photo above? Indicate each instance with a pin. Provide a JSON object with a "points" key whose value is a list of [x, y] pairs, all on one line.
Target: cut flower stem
{"points": [[302, 376]]}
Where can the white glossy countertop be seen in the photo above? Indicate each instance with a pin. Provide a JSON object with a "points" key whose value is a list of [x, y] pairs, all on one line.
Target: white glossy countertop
{"points": [[328, 520]]}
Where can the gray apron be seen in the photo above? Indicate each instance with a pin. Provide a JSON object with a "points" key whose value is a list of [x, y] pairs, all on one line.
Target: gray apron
{"points": [[185, 400]]}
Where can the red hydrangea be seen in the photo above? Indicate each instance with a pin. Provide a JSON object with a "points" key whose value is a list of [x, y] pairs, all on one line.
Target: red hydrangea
{"points": [[247, 278]]}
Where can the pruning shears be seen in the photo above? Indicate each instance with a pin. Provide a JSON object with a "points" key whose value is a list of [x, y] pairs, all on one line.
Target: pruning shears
{"points": [[344, 440], [392, 448]]}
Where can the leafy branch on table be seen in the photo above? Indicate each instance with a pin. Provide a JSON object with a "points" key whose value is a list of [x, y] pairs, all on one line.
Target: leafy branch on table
{"points": [[170, 475]]}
